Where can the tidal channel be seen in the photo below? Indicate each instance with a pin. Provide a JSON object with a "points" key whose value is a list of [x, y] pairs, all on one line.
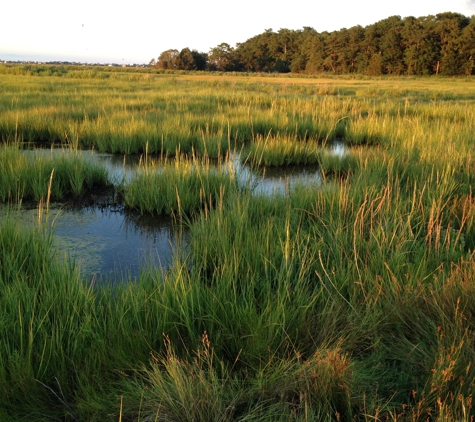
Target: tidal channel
{"points": [[110, 243]]}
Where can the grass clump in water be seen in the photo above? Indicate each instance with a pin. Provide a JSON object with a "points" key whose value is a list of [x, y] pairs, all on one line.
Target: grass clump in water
{"points": [[38, 176], [276, 150], [182, 187]]}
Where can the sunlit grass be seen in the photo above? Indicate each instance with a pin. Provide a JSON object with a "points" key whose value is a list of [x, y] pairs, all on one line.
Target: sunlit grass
{"points": [[348, 301], [209, 114], [181, 187]]}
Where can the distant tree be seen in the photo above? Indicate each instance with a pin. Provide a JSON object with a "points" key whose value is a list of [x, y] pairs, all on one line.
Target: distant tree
{"points": [[301, 49], [370, 44], [299, 63], [335, 52], [152, 63], [314, 47], [254, 53], [467, 48], [281, 66], [168, 59], [282, 48], [448, 29], [421, 49], [188, 59], [185, 60], [391, 46], [222, 58], [201, 60], [444, 43], [375, 67]]}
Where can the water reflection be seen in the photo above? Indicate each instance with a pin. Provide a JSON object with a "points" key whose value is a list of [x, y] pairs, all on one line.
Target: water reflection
{"points": [[271, 180], [120, 168], [280, 180], [113, 243], [110, 243], [337, 147]]}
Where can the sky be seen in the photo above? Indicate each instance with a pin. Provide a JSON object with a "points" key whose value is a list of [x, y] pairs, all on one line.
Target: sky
{"points": [[135, 31]]}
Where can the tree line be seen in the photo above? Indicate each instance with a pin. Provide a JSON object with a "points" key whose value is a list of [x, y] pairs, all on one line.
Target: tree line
{"points": [[442, 44]]}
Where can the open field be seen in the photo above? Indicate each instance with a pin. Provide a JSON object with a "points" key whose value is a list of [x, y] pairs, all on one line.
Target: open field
{"points": [[352, 301]]}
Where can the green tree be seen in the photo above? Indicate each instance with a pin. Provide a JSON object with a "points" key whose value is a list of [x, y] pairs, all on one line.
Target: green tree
{"points": [[185, 60], [201, 60], [168, 59], [375, 65], [314, 49], [338, 56], [391, 46], [353, 51], [300, 49], [222, 58], [467, 48], [299, 63], [444, 43], [421, 50], [369, 45], [254, 53], [283, 47], [448, 29]]}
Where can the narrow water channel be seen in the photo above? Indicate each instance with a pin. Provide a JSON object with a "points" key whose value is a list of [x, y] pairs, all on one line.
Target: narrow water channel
{"points": [[110, 243]]}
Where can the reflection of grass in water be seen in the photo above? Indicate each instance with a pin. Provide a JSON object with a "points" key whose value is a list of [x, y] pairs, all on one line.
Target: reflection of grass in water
{"points": [[72, 243], [84, 253], [76, 249]]}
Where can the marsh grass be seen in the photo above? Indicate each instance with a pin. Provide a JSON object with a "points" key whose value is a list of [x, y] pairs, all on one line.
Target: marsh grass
{"points": [[205, 388], [281, 316], [36, 176], [280, 151], [211, 115], [353, 301], [181, 187]]}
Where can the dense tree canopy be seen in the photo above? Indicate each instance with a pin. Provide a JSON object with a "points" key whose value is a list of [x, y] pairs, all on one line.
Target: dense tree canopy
{"points": [[223, 58], [441, 44]]}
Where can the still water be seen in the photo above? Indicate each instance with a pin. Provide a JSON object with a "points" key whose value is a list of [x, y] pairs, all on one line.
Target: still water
{"points": [[108, 243], [111, 243]]}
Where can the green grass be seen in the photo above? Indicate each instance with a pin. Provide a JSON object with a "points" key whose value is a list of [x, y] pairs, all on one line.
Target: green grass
{"points": [[351, 301], [208, 115], [181, 187], [45, 177]]}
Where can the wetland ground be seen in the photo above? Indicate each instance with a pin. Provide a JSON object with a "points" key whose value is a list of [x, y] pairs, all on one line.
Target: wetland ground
{"points": [[350, 298]]}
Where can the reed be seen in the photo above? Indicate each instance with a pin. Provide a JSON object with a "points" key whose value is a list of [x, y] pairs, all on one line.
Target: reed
{"points": [[29, 176], [353, 301], [210, 115], [181, 187]]}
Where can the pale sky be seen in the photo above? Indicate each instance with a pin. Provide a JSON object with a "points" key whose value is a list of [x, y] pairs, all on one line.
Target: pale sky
{"points": [[125, 31]]}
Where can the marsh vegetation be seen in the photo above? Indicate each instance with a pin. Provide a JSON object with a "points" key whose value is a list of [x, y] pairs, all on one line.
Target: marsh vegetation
{"points": [[350, 300]]}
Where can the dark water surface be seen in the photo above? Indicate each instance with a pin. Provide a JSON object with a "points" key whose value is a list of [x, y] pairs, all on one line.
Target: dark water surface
{"points": [[109, 243]]}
